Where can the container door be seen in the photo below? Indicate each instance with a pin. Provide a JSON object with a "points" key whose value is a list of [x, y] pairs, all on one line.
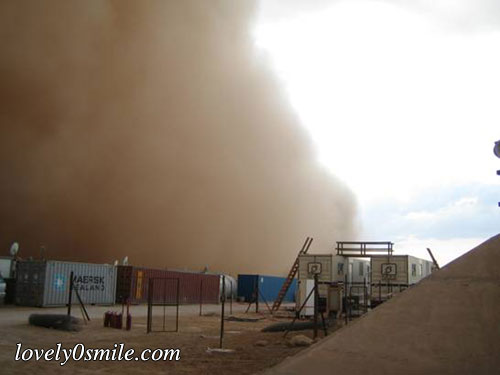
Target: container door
{"points": [[306, 287], [309, 308]]}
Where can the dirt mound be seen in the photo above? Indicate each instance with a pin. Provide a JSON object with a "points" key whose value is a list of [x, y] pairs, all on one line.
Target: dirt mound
{"points": [[479, 263], [448, 324]]}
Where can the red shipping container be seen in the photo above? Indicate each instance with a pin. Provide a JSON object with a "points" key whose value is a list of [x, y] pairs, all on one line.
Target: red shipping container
{"points": [[132, 285]]}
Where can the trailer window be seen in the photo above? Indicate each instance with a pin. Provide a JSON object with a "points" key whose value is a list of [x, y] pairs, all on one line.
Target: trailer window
{"points": [[414, 269], [361, 270], [421, 270], [340, 268]]}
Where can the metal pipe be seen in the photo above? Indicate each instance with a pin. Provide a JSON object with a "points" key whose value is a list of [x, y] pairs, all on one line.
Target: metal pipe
{"points": [[433, 259]]}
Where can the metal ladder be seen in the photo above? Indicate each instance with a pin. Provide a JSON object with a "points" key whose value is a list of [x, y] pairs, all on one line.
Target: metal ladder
{"points": [[291, 275]]}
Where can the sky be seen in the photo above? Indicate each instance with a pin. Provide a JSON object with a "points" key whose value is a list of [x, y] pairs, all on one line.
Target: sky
{"points": [[401, 99]]}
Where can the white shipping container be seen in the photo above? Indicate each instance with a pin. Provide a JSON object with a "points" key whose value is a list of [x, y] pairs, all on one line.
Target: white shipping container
{"points": [[46, 283]]}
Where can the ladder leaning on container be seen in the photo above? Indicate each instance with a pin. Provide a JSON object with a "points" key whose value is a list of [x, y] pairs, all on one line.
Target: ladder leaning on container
{"points": [[291, 275]]}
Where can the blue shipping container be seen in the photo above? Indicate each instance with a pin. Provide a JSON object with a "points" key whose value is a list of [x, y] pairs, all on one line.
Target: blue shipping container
{"points": [[269, 287]]}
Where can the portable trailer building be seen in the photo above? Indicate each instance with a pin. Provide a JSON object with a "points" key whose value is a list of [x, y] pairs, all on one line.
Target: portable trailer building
{"points": [[269, 287], [309, 264], [133, 286], [337, 267], [399, 269], [334, 269], [46, 283], [394, 273]]}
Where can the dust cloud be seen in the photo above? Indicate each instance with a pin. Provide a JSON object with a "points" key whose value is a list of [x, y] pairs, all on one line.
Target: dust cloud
{"points": [[152, 130]]}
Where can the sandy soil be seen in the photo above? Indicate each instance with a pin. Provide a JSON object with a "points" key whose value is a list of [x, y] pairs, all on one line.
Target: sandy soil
{"points": [[448, 324], [195, 335]]}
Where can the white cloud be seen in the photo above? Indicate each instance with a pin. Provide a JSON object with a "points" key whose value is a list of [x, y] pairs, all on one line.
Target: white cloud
{"points": [[459, 207], [394, 103]]}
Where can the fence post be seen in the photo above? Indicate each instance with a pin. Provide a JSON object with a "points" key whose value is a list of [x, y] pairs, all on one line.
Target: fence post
{"points": [[346, 301], [365, 294], [201, 295], [231, 300], [379, 291], [316, 302], [70, 292], [222, 312], [150, 306], [177, 307], [257, 295]]}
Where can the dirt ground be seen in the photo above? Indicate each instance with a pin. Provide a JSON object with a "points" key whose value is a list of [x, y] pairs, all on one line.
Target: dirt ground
{"points": [[195, 335]]}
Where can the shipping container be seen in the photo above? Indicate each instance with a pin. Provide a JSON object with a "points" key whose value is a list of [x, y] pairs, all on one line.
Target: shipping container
{"points": [[269, 287], [133, 286], [46, 283]]}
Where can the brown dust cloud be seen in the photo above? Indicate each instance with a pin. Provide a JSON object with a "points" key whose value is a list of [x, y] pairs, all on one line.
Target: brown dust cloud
{"points": [[153, 130]]}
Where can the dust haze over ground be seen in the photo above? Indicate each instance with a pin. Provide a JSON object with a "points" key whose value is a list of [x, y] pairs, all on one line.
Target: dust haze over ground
{"points": [[151, 129]]}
